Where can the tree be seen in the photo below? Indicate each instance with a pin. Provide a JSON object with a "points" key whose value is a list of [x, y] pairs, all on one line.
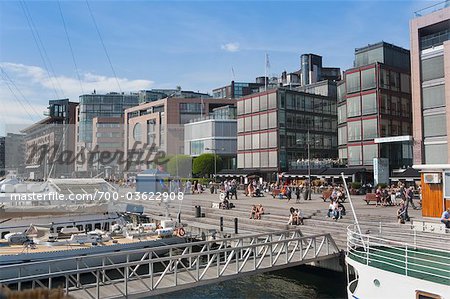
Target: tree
{"points": [[180, 165], [203, 165]]}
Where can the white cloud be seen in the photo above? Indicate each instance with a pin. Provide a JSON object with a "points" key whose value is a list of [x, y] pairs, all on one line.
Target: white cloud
{"points": [[35, 89], [230, 47]]}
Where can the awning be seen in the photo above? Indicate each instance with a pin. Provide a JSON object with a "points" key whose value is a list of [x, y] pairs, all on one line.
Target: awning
{"points": [[32, 166]]}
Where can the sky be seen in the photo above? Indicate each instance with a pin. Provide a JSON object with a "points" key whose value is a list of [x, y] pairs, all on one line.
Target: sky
{"points": [[55, 49]]}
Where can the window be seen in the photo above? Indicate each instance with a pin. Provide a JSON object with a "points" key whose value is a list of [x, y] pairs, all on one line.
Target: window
{"points": [[394, 81], [255, 141], [353, 107], [432, 68], [273, 120], [384, 78], [240, 125], [263, 121], [370, 129], [309, 104], [240, 161], [273, 100], [255, 104], [354, 155], [272, 139], [255, 122], [434, 125], [240, 108], [264, 159], [240, 142], [368, 80], [354, 130], [343, 153], [341, 92], [370, 151], [256, 160], [137, 132], [352, 81], [248, 142], [405, 83], [433, 153], [273, 159], [406, 107], [248, 124], [385, 104], [369, 103], [263, 140], [248, 160], [342, 135], [433, 96], [396, 106], [263, 103], [248, 105]]}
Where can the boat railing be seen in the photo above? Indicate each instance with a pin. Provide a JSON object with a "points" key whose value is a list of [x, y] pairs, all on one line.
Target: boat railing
{"points": [[428, 261]]}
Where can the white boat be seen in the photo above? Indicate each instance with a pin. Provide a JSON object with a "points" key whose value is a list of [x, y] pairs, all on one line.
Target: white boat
{"points": [[398, 264]]}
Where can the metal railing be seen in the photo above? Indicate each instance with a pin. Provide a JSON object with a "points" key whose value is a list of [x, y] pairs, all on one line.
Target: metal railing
{"points": [[414, 256], [167, 268]]}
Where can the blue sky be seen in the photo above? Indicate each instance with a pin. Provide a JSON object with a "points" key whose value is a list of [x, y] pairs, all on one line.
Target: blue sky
{"points": [[162, 44]]}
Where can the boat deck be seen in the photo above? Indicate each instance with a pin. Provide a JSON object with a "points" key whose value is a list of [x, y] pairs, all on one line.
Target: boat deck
{"points": [[6, 249]]}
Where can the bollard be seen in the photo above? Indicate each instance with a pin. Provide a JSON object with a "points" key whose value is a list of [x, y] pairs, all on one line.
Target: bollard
{"points": [[235, 225], [198, 211], [221, 224]]}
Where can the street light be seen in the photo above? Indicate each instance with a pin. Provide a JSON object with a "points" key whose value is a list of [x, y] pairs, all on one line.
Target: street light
{"points": [[215, 158], [309, 163]]}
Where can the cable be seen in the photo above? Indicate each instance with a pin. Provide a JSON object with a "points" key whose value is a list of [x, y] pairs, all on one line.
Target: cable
{"points": [[5, 75], [38, 43], [103, 44], [70, 46]]}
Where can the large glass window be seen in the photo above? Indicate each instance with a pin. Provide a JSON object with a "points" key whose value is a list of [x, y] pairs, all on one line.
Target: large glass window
{"points": [[342, 114], [255, 141], [370, 129], [273, 119], [384, 78], [273, 159], [370, 151], [272, 139], [263, 103], [354, 155], [240, 125], [137, 132], [385, 104], [248, 106], [255, 122], [240, 108], [263, 120], [433, 96], [341, 92], [434, 153], [353, 106], [248, 141], [248, 160], [240, 161], [354, 130], [343, 153], [263, 140], [405, 83], [248, 124], [369, 103], [309, 103], [432, 68], [434, 125], [240, 143], [394, 81], [255, 104], [273, 100], [264, 158], [368, 80], [352, 81], [256, 160], [342, 135]]}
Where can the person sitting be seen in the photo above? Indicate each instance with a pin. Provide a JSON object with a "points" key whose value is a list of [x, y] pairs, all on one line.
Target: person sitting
{"points": [[330, 208], [341, 210], [401, 214], [259, 211], [291, 216], [336, 211], [298, 217], [253, 212], [225, 204], [445, 218]]}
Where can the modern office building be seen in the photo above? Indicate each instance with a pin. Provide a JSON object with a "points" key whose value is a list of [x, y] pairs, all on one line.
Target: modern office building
{"points": [[215, 134], [57, 133], [108, 136], [161, 123], [110, 105], [430, 68], [2, 156], [236, 90], [276, 126], [374, 108], [15, 154]]}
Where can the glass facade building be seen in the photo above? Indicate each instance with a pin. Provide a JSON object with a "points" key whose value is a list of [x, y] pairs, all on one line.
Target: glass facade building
{"points": [[273, 129], [374, 101]]}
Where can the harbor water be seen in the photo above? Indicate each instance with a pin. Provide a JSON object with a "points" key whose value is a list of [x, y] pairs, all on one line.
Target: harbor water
{"points": [[300, 282]]}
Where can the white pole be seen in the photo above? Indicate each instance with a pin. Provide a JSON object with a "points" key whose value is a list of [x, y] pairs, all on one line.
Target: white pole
{"points": [[353, 210]]}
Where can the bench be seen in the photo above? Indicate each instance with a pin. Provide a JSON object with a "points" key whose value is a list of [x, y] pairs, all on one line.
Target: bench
{"points": [[370, 197], [326, 195], [429, 226]]}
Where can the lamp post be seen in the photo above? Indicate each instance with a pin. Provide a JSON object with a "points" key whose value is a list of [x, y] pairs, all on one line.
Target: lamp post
{"points": [[308, 144], [215, 158]]}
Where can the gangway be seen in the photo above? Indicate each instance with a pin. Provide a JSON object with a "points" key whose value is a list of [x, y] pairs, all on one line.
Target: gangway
{"points": [[165, 269]]}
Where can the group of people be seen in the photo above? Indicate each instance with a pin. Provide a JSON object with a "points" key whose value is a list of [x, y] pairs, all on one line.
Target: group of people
{"points": [[229, 188], [406, 196], [395, 195], [256, 212], [295, 217], [254, 189], [336, 209]]}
